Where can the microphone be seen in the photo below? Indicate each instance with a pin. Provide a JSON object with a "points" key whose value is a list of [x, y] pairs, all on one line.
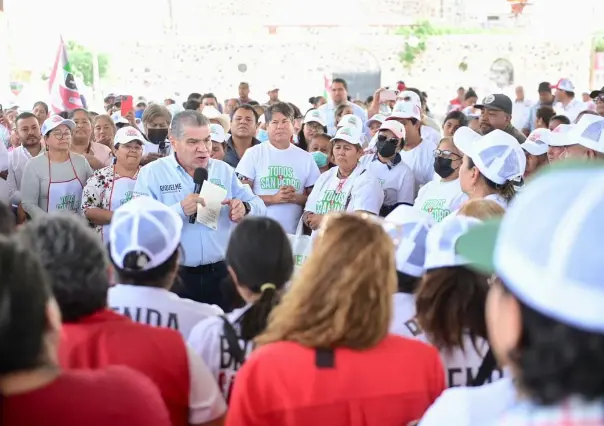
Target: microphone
{"points": [[199, 176]]}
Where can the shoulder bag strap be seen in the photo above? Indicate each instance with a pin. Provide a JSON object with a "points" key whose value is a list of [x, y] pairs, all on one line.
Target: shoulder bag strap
{"points": [[489, 364], [232, 339]]}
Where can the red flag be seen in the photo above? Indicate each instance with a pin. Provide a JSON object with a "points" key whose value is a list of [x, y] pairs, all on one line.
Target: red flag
{"points": [[64, 95], [326, 86]]}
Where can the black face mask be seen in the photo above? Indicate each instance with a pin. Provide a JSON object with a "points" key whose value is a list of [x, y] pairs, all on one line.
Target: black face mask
{"points": [[442, 167], [157, 135], [386, 147]]}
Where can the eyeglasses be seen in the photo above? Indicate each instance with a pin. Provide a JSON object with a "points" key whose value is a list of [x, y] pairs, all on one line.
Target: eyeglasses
{"points": [[599, 98], [445, 153], [60, 135]]}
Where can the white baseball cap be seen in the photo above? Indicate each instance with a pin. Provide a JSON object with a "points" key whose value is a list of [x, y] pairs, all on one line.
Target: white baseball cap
{"points": [[497, 155], [217, 133], [538, 142], [128, 134], [404, 109], [555, 268], [212, 113], [410, 240], [351, 120], [55, 121], [588, 132], [395, 127], [118, 119], [560, 136], [377, 118], [351, 135], [564, 84], [442, 238], [410, 96], [144, 234], [314, 115]]}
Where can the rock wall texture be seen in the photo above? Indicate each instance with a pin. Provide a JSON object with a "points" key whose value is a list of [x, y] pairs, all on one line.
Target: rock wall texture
{"points": [[163, 65]]}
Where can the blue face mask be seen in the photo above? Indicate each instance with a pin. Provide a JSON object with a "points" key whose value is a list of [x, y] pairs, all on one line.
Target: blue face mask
{"points": [[262, 135], [295, 139], [320, 158]]}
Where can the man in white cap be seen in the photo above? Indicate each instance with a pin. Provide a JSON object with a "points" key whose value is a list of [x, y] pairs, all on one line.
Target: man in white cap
{"points": [[567, 104], [170, 181], [588, 135], [273, 95]]}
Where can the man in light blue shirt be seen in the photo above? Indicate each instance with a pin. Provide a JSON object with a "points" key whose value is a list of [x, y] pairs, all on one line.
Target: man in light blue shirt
{"points": [[339, 96], [170, 180]]}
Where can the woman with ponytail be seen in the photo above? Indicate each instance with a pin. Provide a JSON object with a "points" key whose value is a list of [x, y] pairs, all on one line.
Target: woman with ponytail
{"points": [[260, 263]]}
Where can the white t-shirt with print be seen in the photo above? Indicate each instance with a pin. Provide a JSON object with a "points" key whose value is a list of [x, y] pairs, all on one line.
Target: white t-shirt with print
{"points": [[471, 406], [440, 198], [461, 366], [271, 168], [430, 134], [361, 191], [208, 341], [397, 181], [159, 307], [421, 160]]}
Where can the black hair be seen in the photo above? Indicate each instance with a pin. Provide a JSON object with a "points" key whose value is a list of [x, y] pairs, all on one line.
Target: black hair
{"points": [[556, 360], [23, 116], [74, 260], [312, 100], [470, 94], [160, 276], [246, 107], [570, 94], [369, 100], [302, 142], [64, 114], [259, 253], [42, 104], [457, 115], [340, 81], [8, 221], [297, 112], [194, 96], [75, 111], [421, 96], [192, 104], [24, 295], [280, 107], [407, 283], [563, 119], [546, 113], [210, 96]]}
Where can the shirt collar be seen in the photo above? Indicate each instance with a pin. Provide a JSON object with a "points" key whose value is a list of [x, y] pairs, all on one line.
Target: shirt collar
{"points": [[390, 164]]}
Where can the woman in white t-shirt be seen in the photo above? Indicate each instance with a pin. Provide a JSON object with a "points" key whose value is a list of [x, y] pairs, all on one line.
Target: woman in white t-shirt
{"points": [[278, 171], [386, 165], [260, 263], [346, 187], [443, 195], [450, 304], [492, 165]]}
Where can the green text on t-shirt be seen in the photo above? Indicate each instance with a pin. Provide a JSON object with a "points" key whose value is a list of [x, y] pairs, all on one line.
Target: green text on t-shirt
{"points": [[435, 208], [331, 201], [279, 176], [67, 202]]}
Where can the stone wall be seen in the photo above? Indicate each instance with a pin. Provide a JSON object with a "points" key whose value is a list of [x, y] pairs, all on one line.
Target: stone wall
{"points": [[159, 67]]}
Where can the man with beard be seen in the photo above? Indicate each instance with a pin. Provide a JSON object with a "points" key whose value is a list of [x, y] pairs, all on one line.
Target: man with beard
{"points": [[244, 124], [497, 114], [98, 155], [30, 136]]}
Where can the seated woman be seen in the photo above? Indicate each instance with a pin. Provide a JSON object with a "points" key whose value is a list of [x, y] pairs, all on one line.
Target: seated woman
{"points": [[35, 391], [345, 187], [54, 180], [260, 262], [112, 186], [326, 356]]}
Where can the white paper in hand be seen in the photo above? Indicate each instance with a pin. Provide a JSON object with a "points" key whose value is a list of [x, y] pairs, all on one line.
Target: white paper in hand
{"points": [[213, 196]]}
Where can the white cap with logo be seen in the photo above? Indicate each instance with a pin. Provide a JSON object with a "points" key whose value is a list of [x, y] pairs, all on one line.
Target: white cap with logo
{"points": [[351, 120], [314, 115], [55, 121], [144, 234], [588, 132], [118, 119], [395, 127], [128, 134], [348, 134], [404, 109], [497, 155], [538, 142], [217, 133]]}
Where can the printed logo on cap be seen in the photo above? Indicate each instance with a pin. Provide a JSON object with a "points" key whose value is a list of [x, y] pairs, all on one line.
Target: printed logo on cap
{"points": [[399, 107], [131, 132], [346, 131], [57, 118], [352, 120], [316, 113], [489, 99], [593, 132], [558, 129]]}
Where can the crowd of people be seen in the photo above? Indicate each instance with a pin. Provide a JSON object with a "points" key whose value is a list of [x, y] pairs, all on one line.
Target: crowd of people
{"points": [[151, 271]]}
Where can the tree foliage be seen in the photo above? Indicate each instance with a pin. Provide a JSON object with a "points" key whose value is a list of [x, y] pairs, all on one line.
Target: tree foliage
{"points": [[80, 58]]}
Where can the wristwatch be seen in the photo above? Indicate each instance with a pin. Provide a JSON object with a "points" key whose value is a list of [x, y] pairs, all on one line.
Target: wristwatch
{"points": [[248, 208]]}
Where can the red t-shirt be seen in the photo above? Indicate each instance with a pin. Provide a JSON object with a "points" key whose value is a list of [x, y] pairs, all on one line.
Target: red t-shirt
{"points": [[106, 338], [389, 385], [115, 396]]}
